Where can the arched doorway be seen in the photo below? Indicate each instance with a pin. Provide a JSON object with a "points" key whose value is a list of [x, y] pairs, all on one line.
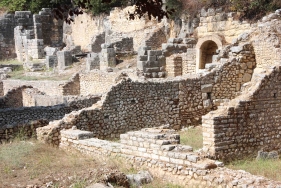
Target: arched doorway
{"points": [[207, 51], [206, 48]]}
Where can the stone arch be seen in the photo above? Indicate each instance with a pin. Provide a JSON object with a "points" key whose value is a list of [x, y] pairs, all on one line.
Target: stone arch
{"points": [[205, 49]]}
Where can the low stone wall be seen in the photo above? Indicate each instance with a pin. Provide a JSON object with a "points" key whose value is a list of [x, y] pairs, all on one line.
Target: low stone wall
{"points": [[14, 98], [31, 98], [252, 124], [159, 149], [132, 105], [96, 82], [51, 88], [1, 88], [12, 117], [72, 87]]}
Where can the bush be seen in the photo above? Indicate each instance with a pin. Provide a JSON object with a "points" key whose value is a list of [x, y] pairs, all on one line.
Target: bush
{"points": [[96, 7], [177, 5], [30, 5]]}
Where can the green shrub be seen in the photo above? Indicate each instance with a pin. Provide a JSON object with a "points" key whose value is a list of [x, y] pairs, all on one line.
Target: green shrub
{"points": [[177, 5]]}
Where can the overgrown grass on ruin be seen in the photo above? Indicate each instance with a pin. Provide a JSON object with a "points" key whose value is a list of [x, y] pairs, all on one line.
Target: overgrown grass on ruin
{"points": [[32, 163], [192, 137], [267, 168]]}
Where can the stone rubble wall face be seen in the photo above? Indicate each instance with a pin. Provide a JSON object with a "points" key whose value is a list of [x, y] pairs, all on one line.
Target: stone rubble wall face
{"points": [[116, 27], [12, 118], [135, 105], [230, 80], [184, 63], [217, 22], [72, 87], [13, 99], [267, 45], [189, 61], [1, 89], [96, 82], [186, 166], [252, 125], [51, 88], [40, 26]]}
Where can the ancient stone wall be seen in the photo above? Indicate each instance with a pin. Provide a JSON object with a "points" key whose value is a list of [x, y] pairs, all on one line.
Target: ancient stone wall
{"points": [[13, 98], [113, 28], [11, 118], [178, 103], [7, 42], [159, 150], [96, 82], [1, 89], [180, 64], [250, 125], [266, 41], [214, 21], [230, 80], [71, 87], [132, 105], [48, 87]]}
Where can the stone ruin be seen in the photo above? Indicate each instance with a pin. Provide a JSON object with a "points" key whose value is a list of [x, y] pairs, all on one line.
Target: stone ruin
{"points": [[227, 79]]}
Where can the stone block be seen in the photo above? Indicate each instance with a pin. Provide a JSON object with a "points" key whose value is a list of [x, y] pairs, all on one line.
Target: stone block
{"points": [[93, 61], [51, 61], [64, 59], [206, 88]]}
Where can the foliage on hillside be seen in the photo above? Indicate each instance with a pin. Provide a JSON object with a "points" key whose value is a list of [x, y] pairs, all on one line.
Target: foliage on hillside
{"points": [[250, 9], [30, 5]]}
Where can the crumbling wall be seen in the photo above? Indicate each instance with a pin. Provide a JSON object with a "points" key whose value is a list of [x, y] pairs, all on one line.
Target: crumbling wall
{"points": [[1, 89], [96, 82], [156, 39], [13, 98], [267, 43], [132, 105], [215, 21], [158, 149], [48, 87], [114, 28], [7, 42], [252, 124], [12, 118], [72, 87], [28, 96]]}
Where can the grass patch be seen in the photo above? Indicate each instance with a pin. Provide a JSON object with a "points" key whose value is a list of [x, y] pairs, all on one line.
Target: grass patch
{"points": [[10, 62], [192, 137], [32, 163], [267, 168]]}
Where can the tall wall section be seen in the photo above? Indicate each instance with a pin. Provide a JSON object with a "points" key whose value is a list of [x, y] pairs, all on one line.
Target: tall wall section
{"points": [[132, 105], [41, 26], [251, 122], [214, 21], [87, 30]]}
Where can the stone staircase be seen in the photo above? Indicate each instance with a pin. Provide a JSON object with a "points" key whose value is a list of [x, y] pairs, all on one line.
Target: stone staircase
{"points": [[149, 146]]}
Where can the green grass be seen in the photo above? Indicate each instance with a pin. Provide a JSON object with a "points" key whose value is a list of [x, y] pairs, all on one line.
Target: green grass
{"points": [[10, 62], [19, 74], [192, 137], [267, 168]]}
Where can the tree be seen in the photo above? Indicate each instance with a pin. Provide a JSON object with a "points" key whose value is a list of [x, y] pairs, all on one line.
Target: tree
{"points": [[153, 8]]}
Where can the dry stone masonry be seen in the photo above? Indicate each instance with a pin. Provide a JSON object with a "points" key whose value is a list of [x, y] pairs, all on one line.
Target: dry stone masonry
{"points": [[159, 149], [228, 78]]}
